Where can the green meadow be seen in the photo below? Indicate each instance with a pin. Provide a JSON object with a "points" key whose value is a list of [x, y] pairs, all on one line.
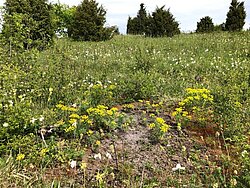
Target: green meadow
{"points": [[129, 112]]}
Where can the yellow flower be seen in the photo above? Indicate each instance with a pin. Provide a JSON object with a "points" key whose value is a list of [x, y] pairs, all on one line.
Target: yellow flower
{"points": [[90, 132], [174, 113], [98, 143], [114, 109], [70, 128], [164, 128], [110, 112], [185, 113], [151, 125], [72, 121], [83, 165], [74, 116], [43, 152], [179, 109], [99, 177], [182, 103], [20, 157], [160, 120]]}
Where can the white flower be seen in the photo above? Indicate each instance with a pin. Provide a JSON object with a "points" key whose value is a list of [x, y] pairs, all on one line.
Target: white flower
{"points": [[41, 118], [108, 155], [33, 120], [178, 167], [5, 125], [72, 164], [98, 156]]}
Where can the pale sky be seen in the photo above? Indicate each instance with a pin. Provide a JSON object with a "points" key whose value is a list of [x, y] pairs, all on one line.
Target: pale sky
{"points": [[186, 12]]}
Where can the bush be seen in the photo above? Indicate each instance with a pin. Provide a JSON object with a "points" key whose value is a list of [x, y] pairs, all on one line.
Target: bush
{"points": [[27, 24], [205, 25], [88, 24]]}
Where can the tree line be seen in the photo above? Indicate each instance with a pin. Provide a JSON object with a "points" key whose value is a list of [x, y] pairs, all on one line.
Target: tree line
{"points": [[31, 24]]}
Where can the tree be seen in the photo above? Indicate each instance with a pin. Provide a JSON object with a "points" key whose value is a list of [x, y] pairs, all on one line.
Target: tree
{"points": [[28, 24], [63, 18], [138, 24], [205, 25], [236, 16], [142, 19], [89, 20], [163, 23]]}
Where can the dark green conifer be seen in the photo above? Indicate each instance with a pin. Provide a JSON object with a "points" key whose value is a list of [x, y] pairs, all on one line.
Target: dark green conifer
{"points": [[89, 20], [236, 16], [205, 25]]}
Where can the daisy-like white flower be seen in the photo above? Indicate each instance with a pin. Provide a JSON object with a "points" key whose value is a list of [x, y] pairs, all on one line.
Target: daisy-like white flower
{"points": [[72, 164], [98, 156], [178, 167], [33, 120], [5, 125]]}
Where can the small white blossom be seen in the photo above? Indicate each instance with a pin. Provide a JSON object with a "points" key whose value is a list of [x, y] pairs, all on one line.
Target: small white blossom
{"points": [[33, 120], [178, 167], [41, 118], [5, 125], [72, 164], [98, 156], [108, 155]]}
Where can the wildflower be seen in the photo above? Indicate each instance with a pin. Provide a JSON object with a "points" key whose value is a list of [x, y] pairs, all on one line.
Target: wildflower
{"points": [[72, 164], [160, 120], [151, 125], [108, 155], [20, 157], [98, 156], [33, 120], [41, 118], [74, 116], [72, 121], [174, 113], [43, 152], [5, 125], [90, 132], [179, 109], [98, 143], [99, 177], [83, 165], [164, 128], [178, 167], [50, 90]]}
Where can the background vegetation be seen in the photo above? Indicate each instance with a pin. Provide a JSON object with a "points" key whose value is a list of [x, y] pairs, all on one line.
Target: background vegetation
{"points": [[128, 112]]}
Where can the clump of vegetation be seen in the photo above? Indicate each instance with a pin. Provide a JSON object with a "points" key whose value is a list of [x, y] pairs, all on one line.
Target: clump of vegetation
{"points": [[160, 23], [88, 22], [27, 24], [205, 25]]}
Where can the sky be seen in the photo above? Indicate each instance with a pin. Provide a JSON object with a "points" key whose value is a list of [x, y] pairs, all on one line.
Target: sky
{"points": [[186, 12]]}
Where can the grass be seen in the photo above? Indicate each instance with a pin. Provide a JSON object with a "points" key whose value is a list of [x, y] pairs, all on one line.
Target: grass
{"points": [[145, 79]]}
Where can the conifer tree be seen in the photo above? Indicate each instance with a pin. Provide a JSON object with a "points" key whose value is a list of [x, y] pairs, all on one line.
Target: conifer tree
{"points": [[163, 23], [28, 24], [89, 20], [142, 19], [236, 16], [205, 25]]}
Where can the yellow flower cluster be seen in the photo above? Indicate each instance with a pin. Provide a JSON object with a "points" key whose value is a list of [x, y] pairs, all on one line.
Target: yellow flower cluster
{"points": [[66, 108], [163, 126], [20, 157], [43, 152]]}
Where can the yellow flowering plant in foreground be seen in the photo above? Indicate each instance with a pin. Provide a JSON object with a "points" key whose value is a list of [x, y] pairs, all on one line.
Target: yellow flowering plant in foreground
{"points": [[158, 129], [197, 105], [90, 123]]}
